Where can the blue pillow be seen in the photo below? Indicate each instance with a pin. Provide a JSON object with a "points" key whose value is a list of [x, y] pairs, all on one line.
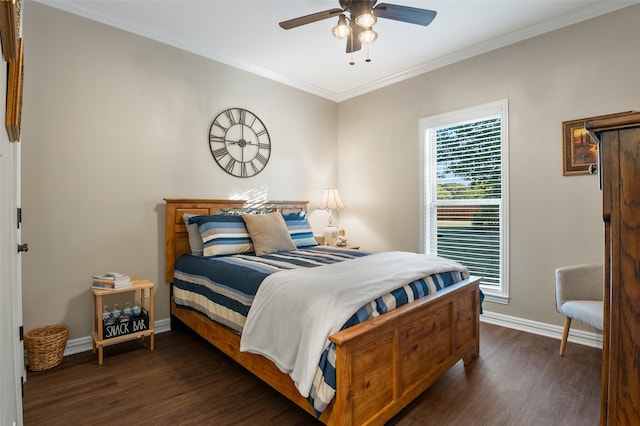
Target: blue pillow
{"points": [[223, 235], [299, 229]]}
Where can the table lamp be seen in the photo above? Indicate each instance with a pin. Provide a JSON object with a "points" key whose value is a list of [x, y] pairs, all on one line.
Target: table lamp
{"points": [[331, 201]]}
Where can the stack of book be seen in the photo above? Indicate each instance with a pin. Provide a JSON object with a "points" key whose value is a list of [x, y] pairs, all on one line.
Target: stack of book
{"points": [[111, 281]]}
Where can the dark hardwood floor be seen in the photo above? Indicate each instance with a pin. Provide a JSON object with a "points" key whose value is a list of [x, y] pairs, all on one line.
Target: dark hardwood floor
{"points": [[519, 379]]}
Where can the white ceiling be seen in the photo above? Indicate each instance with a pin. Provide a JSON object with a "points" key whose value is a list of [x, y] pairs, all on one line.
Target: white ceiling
{"points": [[245, 34]]}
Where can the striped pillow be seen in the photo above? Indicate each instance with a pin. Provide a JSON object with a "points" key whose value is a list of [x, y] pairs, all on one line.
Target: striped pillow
{"points": [[299, 229], [223, 235]]}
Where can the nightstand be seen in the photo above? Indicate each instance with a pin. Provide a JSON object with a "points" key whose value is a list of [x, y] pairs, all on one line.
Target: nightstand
{"points": [[138, 329]]}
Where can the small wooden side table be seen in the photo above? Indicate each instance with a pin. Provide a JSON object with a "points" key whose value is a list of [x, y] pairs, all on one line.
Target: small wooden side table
{"points": [[138, 284]]}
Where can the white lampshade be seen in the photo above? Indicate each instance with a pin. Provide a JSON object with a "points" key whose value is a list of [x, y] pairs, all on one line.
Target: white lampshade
{"points": [[331, 199], [342, 29], [366, 20], [367, 36]]}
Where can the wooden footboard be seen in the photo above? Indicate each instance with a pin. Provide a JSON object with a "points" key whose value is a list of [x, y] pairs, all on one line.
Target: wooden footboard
{"points": [[385, 363], [381, 364]]}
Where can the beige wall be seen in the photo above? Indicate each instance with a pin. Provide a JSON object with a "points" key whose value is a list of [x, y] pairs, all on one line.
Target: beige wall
{"points": [[580, 71], [112, 124]]}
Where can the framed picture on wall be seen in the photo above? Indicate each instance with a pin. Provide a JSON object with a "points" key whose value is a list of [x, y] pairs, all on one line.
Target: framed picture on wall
{"points": [[14, 96], [579, 149], [10, 28]]}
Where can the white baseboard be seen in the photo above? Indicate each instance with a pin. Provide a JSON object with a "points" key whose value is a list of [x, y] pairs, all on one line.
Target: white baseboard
{"points": [[580, 337], [83, 344]]}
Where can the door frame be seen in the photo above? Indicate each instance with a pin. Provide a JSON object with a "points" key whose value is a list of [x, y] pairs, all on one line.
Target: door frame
{"points": [[12, 353]]}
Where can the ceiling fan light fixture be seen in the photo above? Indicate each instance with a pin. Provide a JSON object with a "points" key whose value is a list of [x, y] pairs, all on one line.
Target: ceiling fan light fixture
{"points": [[367, 36], [341, 30], [357, 18], [366, 20]]}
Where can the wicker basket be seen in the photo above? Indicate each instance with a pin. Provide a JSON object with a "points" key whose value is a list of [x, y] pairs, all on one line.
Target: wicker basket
{"points": [[45, 346]]}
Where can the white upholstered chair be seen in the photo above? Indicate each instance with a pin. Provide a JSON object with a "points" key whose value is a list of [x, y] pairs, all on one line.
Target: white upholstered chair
{"points": [[579, 296]]}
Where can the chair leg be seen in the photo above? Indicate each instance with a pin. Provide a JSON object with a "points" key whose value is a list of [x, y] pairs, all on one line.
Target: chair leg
{"points": [[565, 335]]}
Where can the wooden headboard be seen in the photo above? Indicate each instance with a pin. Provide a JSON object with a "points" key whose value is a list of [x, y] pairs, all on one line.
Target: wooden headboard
{"points": [[176, 238]]}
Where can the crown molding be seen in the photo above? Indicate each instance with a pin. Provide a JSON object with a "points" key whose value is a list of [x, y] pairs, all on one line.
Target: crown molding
{"points": [[96, 13]]}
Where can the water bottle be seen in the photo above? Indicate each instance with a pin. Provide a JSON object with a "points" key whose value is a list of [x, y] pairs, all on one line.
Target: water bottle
{"points": [[137, 309], [116, 311]]}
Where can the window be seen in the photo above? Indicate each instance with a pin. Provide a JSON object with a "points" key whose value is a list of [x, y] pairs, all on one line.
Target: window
{"points": [[464, 191]]}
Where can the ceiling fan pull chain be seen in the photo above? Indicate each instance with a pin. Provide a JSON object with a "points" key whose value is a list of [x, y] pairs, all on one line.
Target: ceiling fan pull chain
{"points": [[352, 62]]}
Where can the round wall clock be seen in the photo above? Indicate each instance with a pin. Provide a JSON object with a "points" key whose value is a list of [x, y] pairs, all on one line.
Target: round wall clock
{"points": [[239, 142]]}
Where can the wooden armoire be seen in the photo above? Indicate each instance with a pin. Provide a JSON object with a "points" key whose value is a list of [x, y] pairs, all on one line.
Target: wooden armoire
{"points": [[619, 174]]}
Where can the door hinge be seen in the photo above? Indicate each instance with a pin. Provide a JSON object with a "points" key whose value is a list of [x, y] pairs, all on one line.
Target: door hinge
{"points": [[21, 332], [19, 217], [22, 385]]}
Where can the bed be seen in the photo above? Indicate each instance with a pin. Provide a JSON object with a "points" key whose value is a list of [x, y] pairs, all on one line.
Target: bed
{"points": [[381, 364]]}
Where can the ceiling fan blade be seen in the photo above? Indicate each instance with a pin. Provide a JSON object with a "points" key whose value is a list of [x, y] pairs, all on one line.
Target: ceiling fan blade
{"points": [[353, 42], [314, 17], [412, 15]]}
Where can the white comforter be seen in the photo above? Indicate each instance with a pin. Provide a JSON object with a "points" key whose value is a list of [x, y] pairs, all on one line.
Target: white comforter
{"points": [[295, 311]]}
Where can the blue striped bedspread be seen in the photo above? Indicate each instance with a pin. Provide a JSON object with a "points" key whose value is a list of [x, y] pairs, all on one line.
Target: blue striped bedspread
{"points": [[222, 288]]}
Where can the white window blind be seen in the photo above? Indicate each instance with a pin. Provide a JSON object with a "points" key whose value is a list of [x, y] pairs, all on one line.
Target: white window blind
{"points": [[465, 192]]}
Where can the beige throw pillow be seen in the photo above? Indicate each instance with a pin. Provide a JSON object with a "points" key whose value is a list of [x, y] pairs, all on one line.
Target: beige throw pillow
{"points": [[269, 233]]}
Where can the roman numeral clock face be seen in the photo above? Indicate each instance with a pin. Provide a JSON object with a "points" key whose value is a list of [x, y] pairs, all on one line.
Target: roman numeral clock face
{"points": [[239, 142]]}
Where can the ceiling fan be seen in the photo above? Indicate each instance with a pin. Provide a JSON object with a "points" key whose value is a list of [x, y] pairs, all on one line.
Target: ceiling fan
{"points": [[356, 19]]}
